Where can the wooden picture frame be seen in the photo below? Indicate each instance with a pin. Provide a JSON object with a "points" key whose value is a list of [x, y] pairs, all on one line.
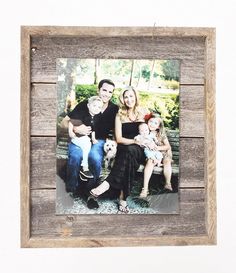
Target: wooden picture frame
{"points": [[196, 223]]}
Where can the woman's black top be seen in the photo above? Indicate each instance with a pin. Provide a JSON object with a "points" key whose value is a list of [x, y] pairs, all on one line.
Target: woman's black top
{"points": [[127, 161]]}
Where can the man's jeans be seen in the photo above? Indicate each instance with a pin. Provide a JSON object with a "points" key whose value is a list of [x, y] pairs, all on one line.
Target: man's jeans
{"points": [[75, 156]]}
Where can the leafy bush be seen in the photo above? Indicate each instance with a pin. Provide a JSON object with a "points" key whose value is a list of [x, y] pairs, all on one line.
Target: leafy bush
{"points": [[172, 84], [115, 97], [171, 70], [168, 107], [165, 104], [85, 91]]}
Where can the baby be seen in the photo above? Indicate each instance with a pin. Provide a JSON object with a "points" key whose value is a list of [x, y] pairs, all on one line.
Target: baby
{"points": [[86, 117], [147, 138]]}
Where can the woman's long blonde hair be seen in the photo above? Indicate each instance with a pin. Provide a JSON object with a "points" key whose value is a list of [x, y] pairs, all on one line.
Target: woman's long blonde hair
{"points": [[123, 111]]}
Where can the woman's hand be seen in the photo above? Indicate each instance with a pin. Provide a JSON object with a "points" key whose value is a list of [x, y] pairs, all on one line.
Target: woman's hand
{"points": [[138, 142], [83, 130], [152, 146]]}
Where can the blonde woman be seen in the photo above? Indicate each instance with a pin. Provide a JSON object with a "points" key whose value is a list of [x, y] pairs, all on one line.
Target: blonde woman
{"points": [[129, 152]]}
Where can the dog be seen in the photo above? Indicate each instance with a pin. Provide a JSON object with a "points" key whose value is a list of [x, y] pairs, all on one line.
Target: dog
{"points": [[110, 148]]}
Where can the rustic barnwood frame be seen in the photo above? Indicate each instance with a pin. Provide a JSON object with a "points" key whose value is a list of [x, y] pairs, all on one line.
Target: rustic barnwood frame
{"points": [[196, 223]]}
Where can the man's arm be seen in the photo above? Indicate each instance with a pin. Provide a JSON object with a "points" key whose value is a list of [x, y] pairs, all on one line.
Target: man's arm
{"points": [[65, 122], [82, 129], [94, 140], [70, 130]]}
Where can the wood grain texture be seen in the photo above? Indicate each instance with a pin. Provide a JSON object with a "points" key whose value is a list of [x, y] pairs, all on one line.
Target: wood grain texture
{"points": [[44, 111], [190, 221], [210, 140], [192, 109], [196, 223], [189, 50], [68, 31], [115, 241], [43, 162], [25, 137]]}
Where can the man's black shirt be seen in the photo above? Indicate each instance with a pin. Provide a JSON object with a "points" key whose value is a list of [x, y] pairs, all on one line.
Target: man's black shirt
{"points": [[102, 123]]}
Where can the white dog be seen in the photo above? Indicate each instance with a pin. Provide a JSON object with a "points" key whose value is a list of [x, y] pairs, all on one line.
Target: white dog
{"points": [[110, 148]]}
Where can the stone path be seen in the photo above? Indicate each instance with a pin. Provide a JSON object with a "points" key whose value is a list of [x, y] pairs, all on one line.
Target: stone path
{"points": [[166, 203]]}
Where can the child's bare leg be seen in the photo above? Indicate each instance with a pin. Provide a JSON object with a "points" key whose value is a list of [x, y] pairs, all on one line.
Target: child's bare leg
{"points": [[147, 175], [158, 163], [167, 173]]}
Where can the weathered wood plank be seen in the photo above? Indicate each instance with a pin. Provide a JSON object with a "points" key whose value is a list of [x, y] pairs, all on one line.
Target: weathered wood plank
{"points": [[65, 31], [43, 162], [44, 222], [25, 137], [192, 162], [44, 112], [190, 50], [210, 152], [191, 123], [114, 241], [43, 109], [192, 98], [192, 107]]}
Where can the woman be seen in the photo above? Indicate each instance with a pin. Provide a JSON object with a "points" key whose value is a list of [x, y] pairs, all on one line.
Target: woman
{"points": [[129, 152]]}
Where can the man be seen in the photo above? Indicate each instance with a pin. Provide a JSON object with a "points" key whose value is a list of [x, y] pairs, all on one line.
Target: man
{"points": [[103, 123]]}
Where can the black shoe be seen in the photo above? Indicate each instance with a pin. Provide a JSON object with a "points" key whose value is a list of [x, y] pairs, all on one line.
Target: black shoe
{"points": [[70, 190], [83, 178], [92, 203], [75, 195], [86, 174]]}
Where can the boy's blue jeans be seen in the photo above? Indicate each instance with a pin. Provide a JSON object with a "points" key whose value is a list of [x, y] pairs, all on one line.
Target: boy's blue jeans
{"points": [[75, 156]]}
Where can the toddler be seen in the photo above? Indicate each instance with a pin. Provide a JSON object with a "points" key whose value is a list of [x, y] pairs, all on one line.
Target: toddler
{"points": [[94, 107], [148, 139]]}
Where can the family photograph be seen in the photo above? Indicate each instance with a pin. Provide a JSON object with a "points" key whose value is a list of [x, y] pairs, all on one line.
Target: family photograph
{"points": [[117, 136]]}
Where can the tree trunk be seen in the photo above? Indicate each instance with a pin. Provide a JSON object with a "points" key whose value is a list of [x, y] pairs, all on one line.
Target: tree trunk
{"points": [[131, 74], [151, 75], [96, 71]]}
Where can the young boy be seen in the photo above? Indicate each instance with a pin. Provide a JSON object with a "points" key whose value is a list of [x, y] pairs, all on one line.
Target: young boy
{"points": [[86, 117]]}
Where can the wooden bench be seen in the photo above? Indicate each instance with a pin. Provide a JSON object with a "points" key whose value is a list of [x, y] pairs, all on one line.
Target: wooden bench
{"points": [[173, 136]]}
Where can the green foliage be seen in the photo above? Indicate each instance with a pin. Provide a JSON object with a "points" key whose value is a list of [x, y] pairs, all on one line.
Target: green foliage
{"points": [[85, 91], [116, 94], [146, 72], [155, 75], [168, 107], [174, 113], [170, 70], [171, 84], [165, 104]]}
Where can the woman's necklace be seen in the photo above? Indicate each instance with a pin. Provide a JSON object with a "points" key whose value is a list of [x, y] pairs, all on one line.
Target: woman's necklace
{"points": [[132, 117]]}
